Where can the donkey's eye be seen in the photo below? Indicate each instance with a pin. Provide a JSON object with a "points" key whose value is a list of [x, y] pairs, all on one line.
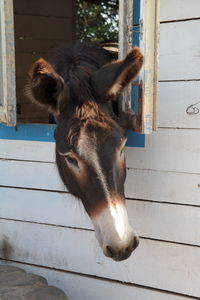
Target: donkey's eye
{"points": [[71, 161]]}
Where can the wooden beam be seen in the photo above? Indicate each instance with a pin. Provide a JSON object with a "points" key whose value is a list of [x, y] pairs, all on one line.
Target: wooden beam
{"points": [[7, 65]]}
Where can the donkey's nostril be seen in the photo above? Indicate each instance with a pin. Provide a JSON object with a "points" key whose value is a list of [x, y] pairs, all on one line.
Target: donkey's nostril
{"points": [[110, 251], [128, 249], [122, 253]]}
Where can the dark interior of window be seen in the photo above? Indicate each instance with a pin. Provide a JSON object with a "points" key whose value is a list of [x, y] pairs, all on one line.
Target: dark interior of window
{"points": [[41, 26]]}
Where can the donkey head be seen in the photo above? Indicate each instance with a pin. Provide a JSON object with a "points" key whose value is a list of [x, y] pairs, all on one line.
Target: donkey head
{"points": [[90, 140]]}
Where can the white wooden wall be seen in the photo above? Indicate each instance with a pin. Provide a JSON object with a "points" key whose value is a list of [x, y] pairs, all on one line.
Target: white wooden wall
{"points": [[46, 231]]}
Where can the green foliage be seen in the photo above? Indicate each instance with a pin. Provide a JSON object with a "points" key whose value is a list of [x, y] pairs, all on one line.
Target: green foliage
{"points": [[97, 21]]}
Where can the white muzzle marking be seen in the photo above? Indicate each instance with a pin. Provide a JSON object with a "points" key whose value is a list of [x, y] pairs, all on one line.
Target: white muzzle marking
{"points": [[112, 227]]}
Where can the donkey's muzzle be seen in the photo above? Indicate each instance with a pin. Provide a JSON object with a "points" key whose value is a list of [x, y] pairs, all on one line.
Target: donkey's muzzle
{"points": [[122, 253], [114, 233]]}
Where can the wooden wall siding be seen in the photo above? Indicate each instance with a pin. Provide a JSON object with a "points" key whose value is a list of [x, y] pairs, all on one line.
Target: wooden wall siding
{"points": [[162, 187], [28, 109], [177, 223], [39, 46], [171, 150], [142, 184], [175, 267], [59, 8], [179, 10], [40, 28], [27, 150], [180, 57], [79, 287], [174, 101], [168, 150]]}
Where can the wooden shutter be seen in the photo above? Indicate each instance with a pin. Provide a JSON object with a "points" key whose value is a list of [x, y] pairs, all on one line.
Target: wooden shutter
{"points": [[139, 26], [7, 64]]}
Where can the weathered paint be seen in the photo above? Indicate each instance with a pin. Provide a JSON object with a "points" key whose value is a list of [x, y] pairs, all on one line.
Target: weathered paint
{"points": [[7, 64], [149, 44], [141, 28]]}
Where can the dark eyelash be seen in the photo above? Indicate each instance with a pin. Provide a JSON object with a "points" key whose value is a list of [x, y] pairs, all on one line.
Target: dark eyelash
{"points": [[71, 160]]}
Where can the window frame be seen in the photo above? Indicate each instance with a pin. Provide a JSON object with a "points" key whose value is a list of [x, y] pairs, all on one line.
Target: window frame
{"points": [[45, 131], [139, 25], [7, 64]]}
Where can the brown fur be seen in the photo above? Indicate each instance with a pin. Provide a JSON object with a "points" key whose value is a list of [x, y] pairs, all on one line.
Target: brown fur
{"points": [[79, 89]]}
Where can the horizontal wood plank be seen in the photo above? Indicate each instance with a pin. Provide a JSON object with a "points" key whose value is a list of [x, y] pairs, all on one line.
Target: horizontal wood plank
{"points": [[149, 219], [43, 207], [165, 150], [79, 287], [163, 186], [174, 99], [140, 184], [29, 112], [179, 57], [179, 10], [38, 46], [14, 173], [32, 110], [168, 150], [160, 265], [41, 27], [59, 8], [27, 150]]}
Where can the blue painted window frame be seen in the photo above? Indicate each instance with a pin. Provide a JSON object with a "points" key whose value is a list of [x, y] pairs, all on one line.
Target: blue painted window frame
{"points": [[135, 139], [28, 132], [45, 132]]}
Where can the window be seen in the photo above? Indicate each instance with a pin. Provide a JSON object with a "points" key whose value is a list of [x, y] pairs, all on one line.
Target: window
{"points": [[33, 29]]}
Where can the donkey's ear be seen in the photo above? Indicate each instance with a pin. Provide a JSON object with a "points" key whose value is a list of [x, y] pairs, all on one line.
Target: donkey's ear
{"points": [[110, 80], [45, 86]]}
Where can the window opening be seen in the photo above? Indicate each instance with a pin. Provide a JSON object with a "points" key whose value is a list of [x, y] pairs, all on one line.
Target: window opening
{"points": [[42, 26]]}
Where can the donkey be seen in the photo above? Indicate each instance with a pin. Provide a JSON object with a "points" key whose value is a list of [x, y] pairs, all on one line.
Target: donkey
{"points": [[80, 87]]}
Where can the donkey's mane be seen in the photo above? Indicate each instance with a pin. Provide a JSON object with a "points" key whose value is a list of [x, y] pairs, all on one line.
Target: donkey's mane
{"points": [[76, 64], [86, 115]]}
